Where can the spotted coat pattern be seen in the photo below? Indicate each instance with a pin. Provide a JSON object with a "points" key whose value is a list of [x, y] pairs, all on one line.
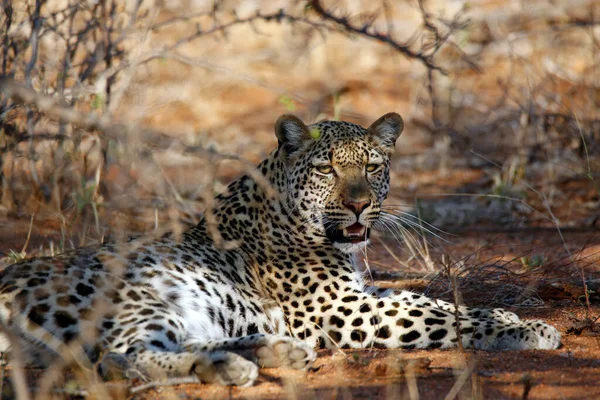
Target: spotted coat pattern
{"points": [[174, 307]]}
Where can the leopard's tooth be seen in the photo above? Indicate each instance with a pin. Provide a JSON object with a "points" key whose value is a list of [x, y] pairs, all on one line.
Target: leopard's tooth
{"points": [[345, 232], [356, 234]]}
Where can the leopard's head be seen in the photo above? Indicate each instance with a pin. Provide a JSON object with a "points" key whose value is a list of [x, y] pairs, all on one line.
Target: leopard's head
{"points": [[337, 175]]}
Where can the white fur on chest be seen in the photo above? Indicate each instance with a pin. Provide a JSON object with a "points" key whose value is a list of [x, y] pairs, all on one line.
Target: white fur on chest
{"points": [[208, 314]]}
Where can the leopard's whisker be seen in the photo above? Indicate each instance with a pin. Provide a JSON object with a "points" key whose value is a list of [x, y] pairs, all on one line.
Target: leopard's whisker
{"points": [[417, 218], [413, 224]]}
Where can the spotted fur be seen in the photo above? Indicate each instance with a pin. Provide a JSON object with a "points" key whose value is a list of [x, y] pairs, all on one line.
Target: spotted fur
{"points": [[167, 307]]}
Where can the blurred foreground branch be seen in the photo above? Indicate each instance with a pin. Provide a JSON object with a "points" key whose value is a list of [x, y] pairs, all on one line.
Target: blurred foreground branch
{"points": [[43, 103], [90, 121]]}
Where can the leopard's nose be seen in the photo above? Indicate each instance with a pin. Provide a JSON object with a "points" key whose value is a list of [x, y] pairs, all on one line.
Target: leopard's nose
{"points": [[356, 206]]}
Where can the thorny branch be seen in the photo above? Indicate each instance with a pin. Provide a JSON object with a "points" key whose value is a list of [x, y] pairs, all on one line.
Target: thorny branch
{"points": [[425, 55], [36, 21], [367, 30], [47, 104], [277, 16]]}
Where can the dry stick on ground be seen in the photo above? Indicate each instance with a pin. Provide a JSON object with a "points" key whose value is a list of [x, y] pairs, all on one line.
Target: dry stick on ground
{"points": [[90, 121], [411, 381], [161, 383]]}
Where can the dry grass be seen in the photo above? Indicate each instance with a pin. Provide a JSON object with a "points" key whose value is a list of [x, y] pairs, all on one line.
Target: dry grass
{"points": [[166, 102]]}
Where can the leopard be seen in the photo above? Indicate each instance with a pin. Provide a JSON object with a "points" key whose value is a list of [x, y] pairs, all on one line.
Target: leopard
{"points": [[280, 281]]}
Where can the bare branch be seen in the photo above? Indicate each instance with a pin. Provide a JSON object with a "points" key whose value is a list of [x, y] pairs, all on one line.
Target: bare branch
{"points": [[367, 30], [277, 16], [47, 104], [166, 382], [36, 21], [37, 138]]}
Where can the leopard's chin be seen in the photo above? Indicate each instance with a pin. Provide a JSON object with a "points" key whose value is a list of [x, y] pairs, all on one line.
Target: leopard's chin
{"points": [[349, 247]]}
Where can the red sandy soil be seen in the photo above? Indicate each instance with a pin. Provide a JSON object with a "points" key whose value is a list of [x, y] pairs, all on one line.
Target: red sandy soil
{"points": [[571, 372]]}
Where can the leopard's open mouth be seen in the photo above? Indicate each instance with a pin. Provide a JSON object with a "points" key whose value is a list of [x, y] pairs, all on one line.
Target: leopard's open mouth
{"points": [[355, 233]]}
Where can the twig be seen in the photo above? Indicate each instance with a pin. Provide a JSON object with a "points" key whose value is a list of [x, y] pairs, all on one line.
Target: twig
{"points": [[36, 21], [166, 382], [6, 42], [277, 16], [114, 101], [47, 104], [368, 31], [527, 382], [180, 18], [460, 382], [455, 299], [37, 137], [28, 234]]}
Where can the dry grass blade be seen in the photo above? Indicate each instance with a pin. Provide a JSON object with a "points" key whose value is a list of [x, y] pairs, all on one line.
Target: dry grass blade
{"points": [[18, 366], [460, 381]]}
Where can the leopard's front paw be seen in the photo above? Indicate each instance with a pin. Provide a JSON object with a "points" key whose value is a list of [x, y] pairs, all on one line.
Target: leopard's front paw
{"points": [[285, 351], [226, 368], [525, 335], [504, 316]]}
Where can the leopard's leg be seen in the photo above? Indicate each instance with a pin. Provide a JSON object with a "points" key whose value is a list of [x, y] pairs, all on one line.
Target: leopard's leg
{"points": [[355, 318], [416, 299], [143, 361], [268, 351]]}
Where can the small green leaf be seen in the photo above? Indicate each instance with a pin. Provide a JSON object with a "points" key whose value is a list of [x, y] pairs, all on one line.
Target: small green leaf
{"points": [[315, 133], [97, 102], [288, 103]]}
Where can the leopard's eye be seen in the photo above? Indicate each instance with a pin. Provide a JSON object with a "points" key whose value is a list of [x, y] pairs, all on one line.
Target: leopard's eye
{"points": [[324, 169], [373, 167]]}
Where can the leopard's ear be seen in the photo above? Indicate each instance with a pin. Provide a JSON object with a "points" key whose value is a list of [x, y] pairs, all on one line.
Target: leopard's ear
{"points": [[292, 134], [386, 130]]}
